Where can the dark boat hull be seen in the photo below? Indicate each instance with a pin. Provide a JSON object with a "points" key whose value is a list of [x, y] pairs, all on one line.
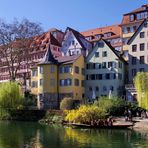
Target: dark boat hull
{"points": [[75, 125]]}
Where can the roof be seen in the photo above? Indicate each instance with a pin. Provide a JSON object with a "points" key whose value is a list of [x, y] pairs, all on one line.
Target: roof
{"points": [[68, 59], [126, 17], [115, 29], [117, 53], [48, 58], [129, 41], [142, 8], [78, 36]]}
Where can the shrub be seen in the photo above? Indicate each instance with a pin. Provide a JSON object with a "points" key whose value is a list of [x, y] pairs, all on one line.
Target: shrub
{"points": [[114, 106], [86, 113], [67, 104], [10, 95]]}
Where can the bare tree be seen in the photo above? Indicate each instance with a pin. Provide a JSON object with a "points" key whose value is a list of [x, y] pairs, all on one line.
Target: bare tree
{"points": [[15, 39]]}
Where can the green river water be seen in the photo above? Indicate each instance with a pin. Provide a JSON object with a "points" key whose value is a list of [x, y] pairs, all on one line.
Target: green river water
{"points": [[34, 135]]}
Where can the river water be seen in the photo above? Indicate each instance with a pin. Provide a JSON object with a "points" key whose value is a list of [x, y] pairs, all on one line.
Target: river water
{"points": [[34, 135]]}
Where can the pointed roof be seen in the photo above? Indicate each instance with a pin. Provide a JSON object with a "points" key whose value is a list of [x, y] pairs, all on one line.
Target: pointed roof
{"points": [[78, 36], [48, 58], [132, 37], [117, 53]]}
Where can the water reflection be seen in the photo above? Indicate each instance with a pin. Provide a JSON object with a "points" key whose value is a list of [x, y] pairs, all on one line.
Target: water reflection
{"points": [[33, 135]]}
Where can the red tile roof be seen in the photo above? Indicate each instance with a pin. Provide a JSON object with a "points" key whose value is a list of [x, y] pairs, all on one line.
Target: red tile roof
{"points": [[115, 29], [126, 17]]}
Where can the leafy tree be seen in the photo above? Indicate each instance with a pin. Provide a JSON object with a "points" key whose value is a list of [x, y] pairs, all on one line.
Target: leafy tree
{"points": [[10, 95], [141, 85], [114, 106], [67, 104], [15, 40]]}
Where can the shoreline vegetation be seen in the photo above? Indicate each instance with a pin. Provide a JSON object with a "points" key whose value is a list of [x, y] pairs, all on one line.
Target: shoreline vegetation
{"points": [[101, 112]]}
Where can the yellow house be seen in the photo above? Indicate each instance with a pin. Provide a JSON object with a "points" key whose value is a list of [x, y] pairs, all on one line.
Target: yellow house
{"points": [[53, 79]]}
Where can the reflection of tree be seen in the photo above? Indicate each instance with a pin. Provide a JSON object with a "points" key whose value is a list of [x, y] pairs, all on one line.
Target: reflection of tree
{"points": [[18, 134], [102, 138]]}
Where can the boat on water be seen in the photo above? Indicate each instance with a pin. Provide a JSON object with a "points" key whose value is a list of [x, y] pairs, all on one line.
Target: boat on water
{"points": [[114, 126]]}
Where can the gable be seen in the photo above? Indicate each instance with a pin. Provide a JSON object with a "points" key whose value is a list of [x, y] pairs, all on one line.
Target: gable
{"points": [[101, 47], [139, 29], [70, 42]]}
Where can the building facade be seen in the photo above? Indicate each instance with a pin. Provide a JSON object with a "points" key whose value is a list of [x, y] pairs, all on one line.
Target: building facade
{"points": [[105, 71], [138, 56], [54, 79], [33, 55], [74, 43], [130, 22]]}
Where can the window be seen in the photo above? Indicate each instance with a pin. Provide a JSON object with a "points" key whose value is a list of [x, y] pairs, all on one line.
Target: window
{"points": [[104, 54], [34, 73], [83, 71], [65, 69], [82, 83], [132, 17], [65, 82], [111, 88], [134, 72], [99, 76], [134, 28], [100, 44], [104, 88], [142, 60], [134, 48], [128, 29], [134, 60], [41, 69], [76, 69], [41, 82], [76, 82], [104, 65], [90, 88], [141, 70], [97, 66], [114, 76], [93, 77], [110, 64], [73, 42], [52, 82], [142, 47], [120, 65], [96, 54], [97, 88], [52, 69], [142, 34], [119, 76], [34, 84], [107, 76]]}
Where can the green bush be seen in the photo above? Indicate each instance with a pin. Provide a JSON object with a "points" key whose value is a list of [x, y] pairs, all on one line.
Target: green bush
{"points": [[10, 95], [114, 106], [67, 104]]}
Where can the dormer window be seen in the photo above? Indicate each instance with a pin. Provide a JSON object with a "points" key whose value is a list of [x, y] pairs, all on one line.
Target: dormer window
{"points": [[73, 42], [132, 17]]}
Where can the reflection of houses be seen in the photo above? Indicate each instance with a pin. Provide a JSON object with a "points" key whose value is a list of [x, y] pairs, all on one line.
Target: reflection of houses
{"points": [[74, 43], [130, 22], [138, 55], [104, 71], [33, 54], [53, 79]]}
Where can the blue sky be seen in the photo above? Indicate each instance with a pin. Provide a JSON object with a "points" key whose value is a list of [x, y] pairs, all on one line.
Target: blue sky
{"points": [[79, 14]]}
